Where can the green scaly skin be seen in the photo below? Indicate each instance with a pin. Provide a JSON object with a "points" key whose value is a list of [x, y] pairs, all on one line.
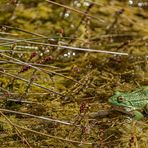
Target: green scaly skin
{"points": [[134, 103]]}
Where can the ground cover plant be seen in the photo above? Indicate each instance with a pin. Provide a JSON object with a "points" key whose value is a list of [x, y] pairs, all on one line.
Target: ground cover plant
{"points": [[60, 62]]}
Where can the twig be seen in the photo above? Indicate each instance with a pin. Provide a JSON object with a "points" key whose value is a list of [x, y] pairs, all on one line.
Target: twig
{"points": [[79, 49], [39, 69], [75, 10], [34, 64], [36, 84], [55, 137], [25, 31], [17, 131], [40, 117], [72, 48]]}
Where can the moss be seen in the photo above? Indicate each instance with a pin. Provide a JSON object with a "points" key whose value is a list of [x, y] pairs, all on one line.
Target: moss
{"points": [[68, 86]]}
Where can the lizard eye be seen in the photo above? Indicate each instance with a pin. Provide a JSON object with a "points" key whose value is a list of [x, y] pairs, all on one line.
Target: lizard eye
{"points": [[120, 99]]}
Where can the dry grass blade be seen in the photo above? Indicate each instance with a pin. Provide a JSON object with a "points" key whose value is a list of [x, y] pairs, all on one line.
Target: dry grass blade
{"points": [[40, 117], [17, 131], [75, 10], [40, 86]]}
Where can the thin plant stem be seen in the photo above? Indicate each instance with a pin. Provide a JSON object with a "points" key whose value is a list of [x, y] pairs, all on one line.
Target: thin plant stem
{"points": [[55, 137], [75, 10], [33, 83], [17, 131], [40, 117], [39, 69]]}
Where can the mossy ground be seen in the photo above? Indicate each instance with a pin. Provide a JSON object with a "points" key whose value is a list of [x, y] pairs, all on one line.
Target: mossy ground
{"points": [[85, 80]]}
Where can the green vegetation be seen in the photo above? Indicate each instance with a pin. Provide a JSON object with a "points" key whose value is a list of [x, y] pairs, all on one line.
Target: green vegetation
{"points": [[60, 61]]}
